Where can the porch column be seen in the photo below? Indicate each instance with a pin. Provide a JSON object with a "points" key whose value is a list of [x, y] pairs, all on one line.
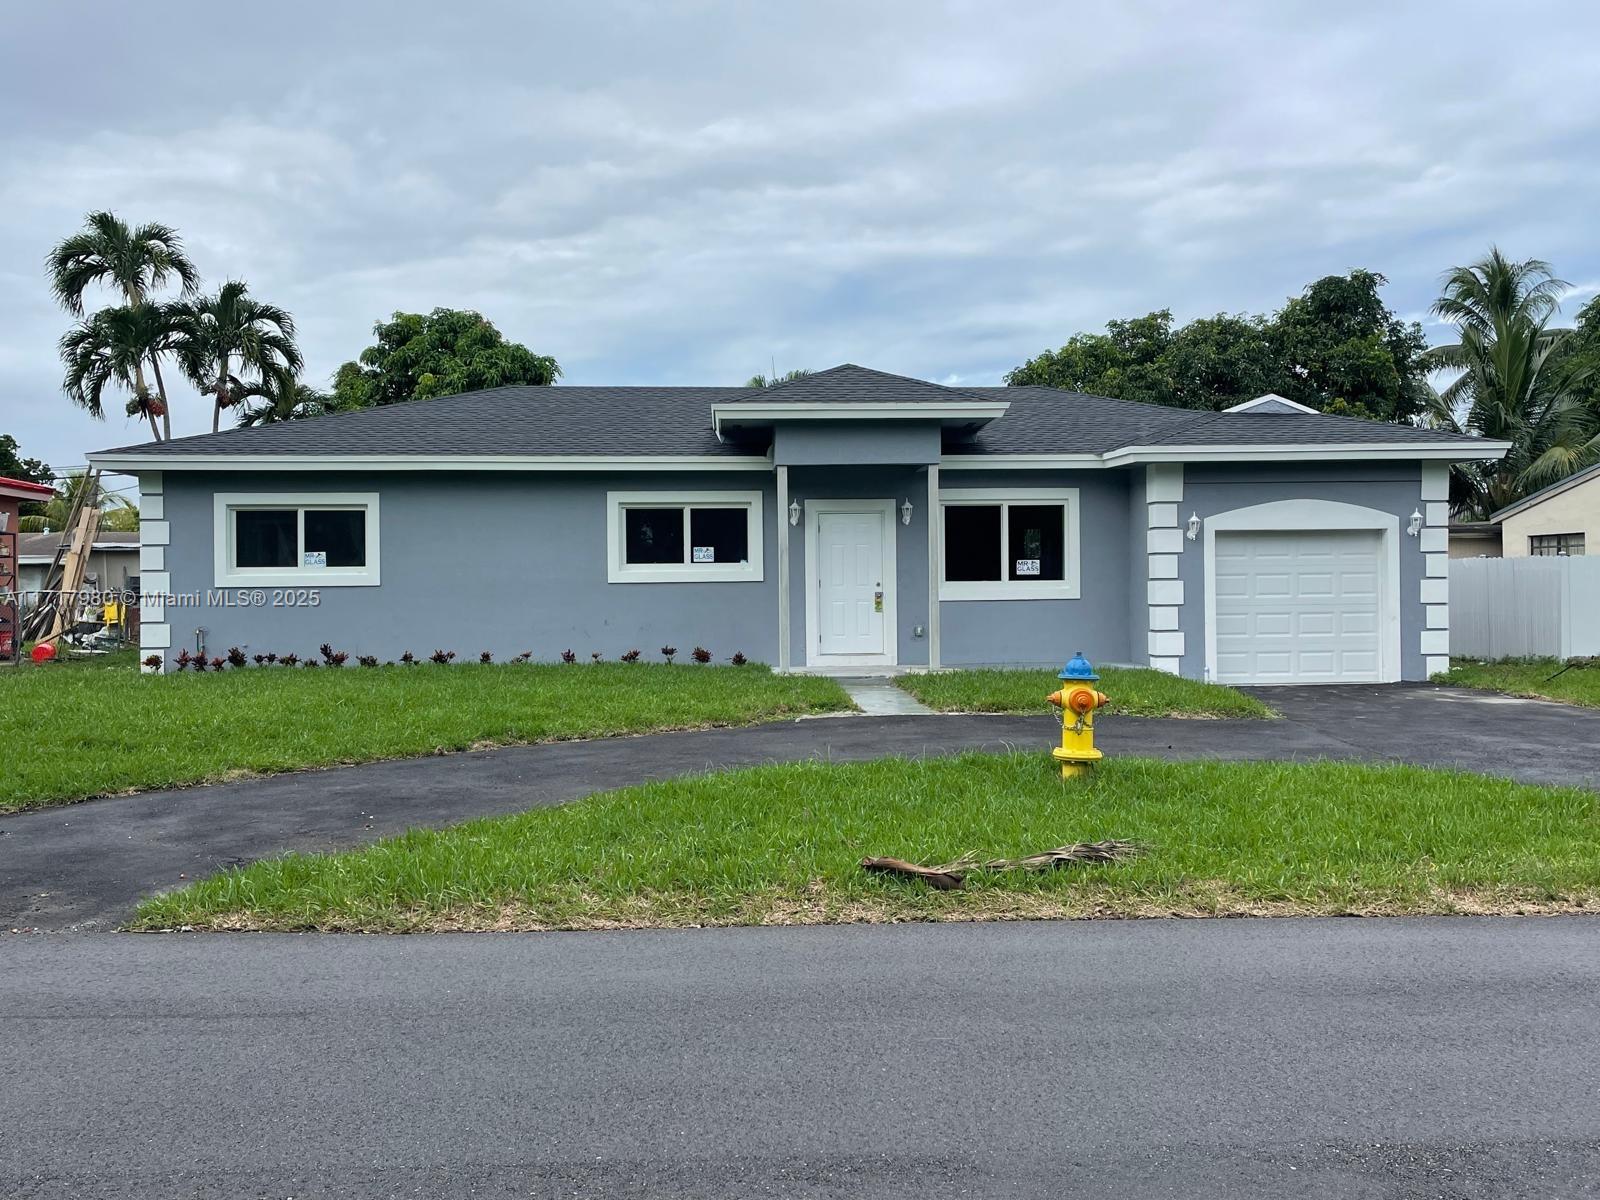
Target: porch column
{"points": [[934, 566], [783, 568]]}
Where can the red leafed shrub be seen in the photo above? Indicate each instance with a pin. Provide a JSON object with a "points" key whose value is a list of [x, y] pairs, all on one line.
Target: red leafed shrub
{"points": [[236, 657], [594, 656], [700, 654], [334, 658], [153, 662], [486, 657], [218, 663], [289, 660], [442, 656], [367, 660], [667, 652], [631, 656], [183, 658], [567, 656], [523, 657], [409, 659], [310, 663], [738, 659]]}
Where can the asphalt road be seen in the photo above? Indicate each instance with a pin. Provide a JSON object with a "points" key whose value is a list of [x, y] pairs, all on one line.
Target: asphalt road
{"points": [[1431, 1058], [84, 866]]}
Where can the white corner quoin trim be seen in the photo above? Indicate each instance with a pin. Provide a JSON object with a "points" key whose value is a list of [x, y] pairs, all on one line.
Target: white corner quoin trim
{"points": [[618, 570], [1292, 515], [224, 504], [1164, 543]]}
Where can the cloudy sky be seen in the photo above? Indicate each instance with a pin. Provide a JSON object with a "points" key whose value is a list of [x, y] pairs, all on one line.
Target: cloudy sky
{"points": [[689, 192]]}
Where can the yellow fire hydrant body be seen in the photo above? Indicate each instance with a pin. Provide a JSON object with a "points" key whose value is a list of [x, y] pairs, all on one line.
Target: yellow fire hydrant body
{"points": [[1077, 701]]}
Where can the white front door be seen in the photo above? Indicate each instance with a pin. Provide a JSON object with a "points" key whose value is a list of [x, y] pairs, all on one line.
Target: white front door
{"points": [[851, 564]]}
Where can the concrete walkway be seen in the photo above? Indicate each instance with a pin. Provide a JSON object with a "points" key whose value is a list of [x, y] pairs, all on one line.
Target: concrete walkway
{"points": [[881, 698], [85, 865]]}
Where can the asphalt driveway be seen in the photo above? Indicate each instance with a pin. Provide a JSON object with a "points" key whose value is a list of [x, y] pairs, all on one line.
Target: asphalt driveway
{"points": [[84, 866]]}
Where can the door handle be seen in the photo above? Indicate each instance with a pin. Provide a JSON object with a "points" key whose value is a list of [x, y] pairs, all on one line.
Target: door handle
{"points": [[877, 601]]}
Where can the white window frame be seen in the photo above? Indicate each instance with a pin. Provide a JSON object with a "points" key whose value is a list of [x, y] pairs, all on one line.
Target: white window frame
{"points": [[1066, 588], [227, 574], [618, 570]]}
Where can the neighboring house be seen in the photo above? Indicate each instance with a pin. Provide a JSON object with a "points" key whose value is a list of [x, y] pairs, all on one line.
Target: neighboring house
{"points": [[846, 521], [1563, 518], [113, 564], [13, 494], [1474, 539]]}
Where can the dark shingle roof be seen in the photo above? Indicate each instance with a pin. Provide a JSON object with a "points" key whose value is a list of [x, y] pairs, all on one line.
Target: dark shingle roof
{"points": [[850, 384], [643, 421]]}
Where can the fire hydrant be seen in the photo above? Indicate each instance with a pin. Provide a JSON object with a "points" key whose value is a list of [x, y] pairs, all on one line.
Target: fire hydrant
{"points": [[1077, 702]]}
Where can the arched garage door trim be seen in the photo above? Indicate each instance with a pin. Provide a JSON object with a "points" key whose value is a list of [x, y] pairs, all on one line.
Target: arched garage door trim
{"points": [[1294, 515]]}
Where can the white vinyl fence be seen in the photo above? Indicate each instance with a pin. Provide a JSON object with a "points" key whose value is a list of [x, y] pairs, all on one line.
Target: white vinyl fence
{"points": [[1524, 607]]}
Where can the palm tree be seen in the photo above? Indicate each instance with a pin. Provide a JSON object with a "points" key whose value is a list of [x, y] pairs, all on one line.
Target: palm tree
{"points": [[117, 512], [110, 349], [134, 261], [231, 328], [285, 397], [1503, 389]]}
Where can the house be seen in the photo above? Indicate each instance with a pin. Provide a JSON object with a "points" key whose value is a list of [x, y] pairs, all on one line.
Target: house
{"points": [[1474, 539], [113, 563], [16, 492], [1562, 519], [847, 521], [13, 493]]}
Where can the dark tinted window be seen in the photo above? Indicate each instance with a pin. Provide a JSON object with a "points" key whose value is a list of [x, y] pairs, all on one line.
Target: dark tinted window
{"points": [[972, 541], [1038, 544], [264, 537], [653, 535], [341, 534], [719, 535]]}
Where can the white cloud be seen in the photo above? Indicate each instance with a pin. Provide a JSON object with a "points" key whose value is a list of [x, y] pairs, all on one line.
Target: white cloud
{"points": [[685, 192]]}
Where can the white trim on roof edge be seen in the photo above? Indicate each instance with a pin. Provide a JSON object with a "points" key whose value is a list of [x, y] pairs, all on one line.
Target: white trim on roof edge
{"points": [[136, 463], [1126, 456], [1303, 452]]}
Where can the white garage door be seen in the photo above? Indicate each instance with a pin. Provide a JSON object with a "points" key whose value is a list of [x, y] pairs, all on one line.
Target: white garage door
{"points": [[1299, 607]]}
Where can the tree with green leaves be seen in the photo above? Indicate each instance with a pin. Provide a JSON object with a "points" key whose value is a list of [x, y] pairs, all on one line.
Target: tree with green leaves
{"points": [[227, 329], [1509, 384], [761, 381], [281, 396], [110, 350], [1336, 347], [135, 262], [448, 351], [14, 466]]}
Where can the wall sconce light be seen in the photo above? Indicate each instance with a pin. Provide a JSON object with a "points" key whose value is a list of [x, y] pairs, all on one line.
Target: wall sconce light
{"points": [[905, 513], [1194, 526], [794, 512], [1414, 527]]}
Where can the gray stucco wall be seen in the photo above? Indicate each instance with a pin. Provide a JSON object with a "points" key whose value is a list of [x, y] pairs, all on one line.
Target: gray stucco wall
{"points": [[1390, 487], [856, 443], [1138, 520], [495, 561], [1046, 632]]}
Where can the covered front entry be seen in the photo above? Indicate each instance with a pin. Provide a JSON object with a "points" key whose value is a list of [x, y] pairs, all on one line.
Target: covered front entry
{"points": [[850, 583]]}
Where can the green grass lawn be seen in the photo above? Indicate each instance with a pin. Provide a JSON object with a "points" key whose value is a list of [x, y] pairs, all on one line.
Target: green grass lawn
{"points": [[1528, 677], [1134, 691], [782, 844], [75, 730]]}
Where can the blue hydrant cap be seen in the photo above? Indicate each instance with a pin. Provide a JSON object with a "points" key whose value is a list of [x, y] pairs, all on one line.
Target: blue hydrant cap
{"points": [[1079, 668]]}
